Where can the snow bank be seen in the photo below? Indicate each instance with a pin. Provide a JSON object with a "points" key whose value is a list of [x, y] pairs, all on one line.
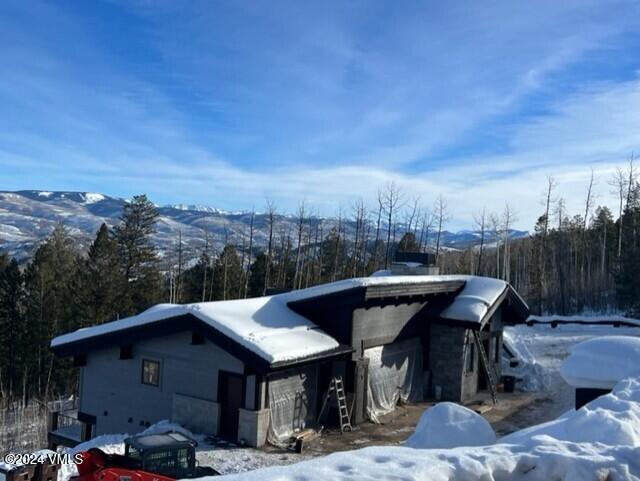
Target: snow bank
{"points": [[531, 374], [602, 362], [587, 318], [267, 327], [450, 425], [613, 420]]}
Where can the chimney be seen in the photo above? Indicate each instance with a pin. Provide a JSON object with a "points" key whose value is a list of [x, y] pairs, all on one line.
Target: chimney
{"points": [[414, 264]]}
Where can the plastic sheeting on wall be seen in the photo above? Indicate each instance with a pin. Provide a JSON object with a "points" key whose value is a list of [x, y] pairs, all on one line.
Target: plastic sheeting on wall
{"points": [[395, 374], [292, 403]]}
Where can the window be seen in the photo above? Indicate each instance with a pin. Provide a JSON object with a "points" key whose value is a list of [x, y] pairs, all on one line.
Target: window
{"points": [[471, 358], [150, 372]]}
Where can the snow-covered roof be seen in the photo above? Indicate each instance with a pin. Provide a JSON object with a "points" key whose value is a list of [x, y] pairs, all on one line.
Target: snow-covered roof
{"points": [[264, 325], [273, 331], [601, 362]]}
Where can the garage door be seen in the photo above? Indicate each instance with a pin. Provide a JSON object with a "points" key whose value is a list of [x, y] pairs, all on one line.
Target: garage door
{"points": [[395, 374], [292, 402]]}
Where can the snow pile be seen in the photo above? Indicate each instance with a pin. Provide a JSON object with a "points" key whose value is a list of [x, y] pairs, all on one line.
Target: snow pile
{"points": [[522, 364], [613, 420], [450, 425], [602, 362]]}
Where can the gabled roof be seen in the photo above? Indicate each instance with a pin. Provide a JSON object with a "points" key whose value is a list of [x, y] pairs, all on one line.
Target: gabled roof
{"points": [[270, 330]]}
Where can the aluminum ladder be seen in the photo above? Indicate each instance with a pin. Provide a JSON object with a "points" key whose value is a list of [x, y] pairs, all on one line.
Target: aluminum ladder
{"points": [[336, 386], [491, 381]]}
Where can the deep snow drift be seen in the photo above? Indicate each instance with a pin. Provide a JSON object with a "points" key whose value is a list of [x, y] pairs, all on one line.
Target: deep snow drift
{"points": [[450, 425], [602, 362]]}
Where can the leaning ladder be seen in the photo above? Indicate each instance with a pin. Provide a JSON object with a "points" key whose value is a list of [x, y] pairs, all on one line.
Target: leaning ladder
{"points": [[336, 386], [491, 381]]}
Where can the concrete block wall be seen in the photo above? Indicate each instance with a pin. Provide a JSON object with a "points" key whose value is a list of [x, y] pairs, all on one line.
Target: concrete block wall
{"points": [[446, 356], [253, 427]]}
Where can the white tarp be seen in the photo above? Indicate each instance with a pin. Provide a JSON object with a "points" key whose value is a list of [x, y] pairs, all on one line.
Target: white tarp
{"points": [[292, 401], [395, 374]]}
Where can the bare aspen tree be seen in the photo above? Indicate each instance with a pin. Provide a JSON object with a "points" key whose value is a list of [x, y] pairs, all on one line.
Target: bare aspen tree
{"points": [[560, 213], [246, 277], [336, 255], [391, 199], [365, 243], [480, 220], [206, 266], [411, 214], [588, 205], [541, 266], [619, 183], [359, 212], [508, 218], [300, 229], [225, 266], [441, 213], [271, 214], [496, 227], [428, 220], [377, 241]]}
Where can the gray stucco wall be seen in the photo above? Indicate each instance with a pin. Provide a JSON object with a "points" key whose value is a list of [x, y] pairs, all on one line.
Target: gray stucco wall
{"points": [[376, 326], [111, 388]]}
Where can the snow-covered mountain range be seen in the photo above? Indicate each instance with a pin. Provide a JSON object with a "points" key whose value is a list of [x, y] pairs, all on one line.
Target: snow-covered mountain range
{"points": [[28, 216]]}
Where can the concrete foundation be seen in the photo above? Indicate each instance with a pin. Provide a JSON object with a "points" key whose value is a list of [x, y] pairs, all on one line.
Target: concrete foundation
{"points": [[197, 415], [253, 427]]}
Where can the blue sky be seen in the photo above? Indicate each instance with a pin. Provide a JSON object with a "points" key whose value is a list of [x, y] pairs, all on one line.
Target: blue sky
{"points": [[230, 103]]}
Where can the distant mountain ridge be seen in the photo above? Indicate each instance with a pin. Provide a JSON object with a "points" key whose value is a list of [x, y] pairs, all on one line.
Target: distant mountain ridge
{"points": [[28, 216]]}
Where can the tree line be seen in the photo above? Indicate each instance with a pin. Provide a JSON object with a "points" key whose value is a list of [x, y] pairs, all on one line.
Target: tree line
{"points": [[568, 264]]}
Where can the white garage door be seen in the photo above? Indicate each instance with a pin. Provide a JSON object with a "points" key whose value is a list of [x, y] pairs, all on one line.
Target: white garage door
{"points": [[395, 374]]}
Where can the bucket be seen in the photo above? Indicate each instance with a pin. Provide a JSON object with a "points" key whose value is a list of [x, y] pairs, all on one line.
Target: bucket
{"points": [[509, 383]]}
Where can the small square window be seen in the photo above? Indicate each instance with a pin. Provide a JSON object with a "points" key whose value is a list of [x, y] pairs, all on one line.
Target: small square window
{"points": [[150, 372]]}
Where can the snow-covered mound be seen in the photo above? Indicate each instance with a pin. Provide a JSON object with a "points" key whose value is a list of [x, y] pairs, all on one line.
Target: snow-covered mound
{"points": [[602, 362], [522, 364], [450, 425], [613, 420]]}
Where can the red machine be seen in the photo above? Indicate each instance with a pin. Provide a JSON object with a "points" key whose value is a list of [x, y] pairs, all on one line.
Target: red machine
{"points": [[154, 457]]}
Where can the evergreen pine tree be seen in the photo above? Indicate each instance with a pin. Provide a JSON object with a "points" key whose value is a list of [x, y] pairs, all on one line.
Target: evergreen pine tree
{"points": [[257, 273], [51, 309], [103, 280], [138, 257], [12, 347]]}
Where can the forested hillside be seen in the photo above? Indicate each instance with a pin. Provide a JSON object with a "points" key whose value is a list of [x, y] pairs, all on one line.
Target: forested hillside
{"points": [[571, 262]]}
